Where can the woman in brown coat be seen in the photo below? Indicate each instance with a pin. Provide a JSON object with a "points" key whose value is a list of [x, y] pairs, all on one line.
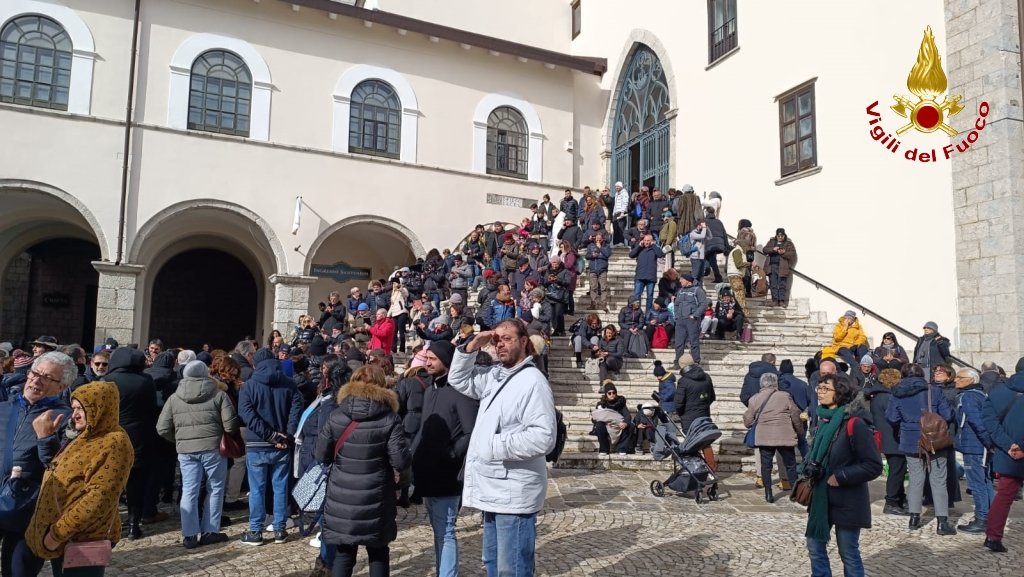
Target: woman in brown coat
{"points": [[78, 498], [777, 429]]}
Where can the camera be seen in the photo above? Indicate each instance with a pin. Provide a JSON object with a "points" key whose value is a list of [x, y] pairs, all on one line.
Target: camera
{"points": [[813, 470]]}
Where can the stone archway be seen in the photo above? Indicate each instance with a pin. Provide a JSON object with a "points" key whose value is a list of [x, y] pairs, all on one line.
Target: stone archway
{"points": [[48, 242], [371, 246], [205, 225]]}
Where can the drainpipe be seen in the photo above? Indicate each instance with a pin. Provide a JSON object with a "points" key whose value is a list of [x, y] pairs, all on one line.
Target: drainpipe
{"points": [[128, 134]]}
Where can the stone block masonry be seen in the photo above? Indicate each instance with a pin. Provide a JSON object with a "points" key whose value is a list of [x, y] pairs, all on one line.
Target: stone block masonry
{"points": [[115, 301], [984, 59]]}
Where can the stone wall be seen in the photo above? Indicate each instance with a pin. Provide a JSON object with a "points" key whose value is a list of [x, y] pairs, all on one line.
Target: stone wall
{"points": [[983, 64]]}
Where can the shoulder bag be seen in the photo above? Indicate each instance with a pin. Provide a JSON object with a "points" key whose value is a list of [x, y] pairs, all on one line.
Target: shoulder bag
{"points": [[748, 439], [934, 430], [311, 488], [88, 553]]}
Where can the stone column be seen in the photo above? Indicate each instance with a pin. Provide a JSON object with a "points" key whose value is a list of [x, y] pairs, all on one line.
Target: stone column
{"points": [[115, 301], [291, 299], [983, 59]]}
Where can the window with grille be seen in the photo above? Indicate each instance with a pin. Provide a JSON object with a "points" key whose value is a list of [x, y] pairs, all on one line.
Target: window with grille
{"points": [[721, 28], [375, 122], [508, 143], [35, 63], [797, 130], [220, 94]]}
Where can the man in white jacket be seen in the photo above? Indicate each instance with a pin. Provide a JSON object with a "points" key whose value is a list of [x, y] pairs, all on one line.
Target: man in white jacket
{"points": [[620, 211], [506, 473]]}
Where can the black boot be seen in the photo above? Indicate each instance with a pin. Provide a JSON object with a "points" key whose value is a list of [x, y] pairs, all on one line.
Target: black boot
{"points": [[403, 498], [977, 526], [943, 527], [134, 530], [995, 546], [768, 493], [579, 360], [915, 521]]}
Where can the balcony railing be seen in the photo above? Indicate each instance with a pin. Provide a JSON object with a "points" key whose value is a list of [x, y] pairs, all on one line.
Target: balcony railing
{"points": [[722, 40]]}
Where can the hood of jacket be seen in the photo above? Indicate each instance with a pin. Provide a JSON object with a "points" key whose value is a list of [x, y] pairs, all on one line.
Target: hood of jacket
{"points": [[695, 373], [102, 404], [267, 373], [164, 360], [909, 387], [195, 390], [362, 401], [126, 360]]}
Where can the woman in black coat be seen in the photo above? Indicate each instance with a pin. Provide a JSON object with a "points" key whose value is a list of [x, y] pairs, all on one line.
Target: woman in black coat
{"points": [[360, 506], [840, 490], [878, 393]]}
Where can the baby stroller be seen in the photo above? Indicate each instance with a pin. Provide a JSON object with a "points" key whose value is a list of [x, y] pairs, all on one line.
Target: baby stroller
{"points": [[690, 472]]}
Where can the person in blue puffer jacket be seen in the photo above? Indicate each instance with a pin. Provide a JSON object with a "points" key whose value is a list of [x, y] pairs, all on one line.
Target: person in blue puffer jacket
{"points": [[909, 402], [972, 440], [666, 388]]}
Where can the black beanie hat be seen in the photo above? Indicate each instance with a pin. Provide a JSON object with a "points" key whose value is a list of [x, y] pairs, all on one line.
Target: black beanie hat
{"points": [[786, 367], [609, 387], [659, 371], [444, 351], [318, 346]]}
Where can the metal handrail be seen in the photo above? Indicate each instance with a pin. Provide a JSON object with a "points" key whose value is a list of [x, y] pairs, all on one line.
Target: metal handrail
{"points": [[863, 309]]}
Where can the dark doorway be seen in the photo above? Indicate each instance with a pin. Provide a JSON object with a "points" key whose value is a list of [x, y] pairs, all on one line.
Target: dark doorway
{"points": [[50, 289], [203, 296]]}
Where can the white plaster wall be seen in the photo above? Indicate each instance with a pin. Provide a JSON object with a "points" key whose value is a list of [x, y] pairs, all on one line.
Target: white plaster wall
{"points": [[872, 225]]}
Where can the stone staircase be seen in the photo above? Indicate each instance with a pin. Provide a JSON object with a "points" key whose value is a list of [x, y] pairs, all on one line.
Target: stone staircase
{"points": [[793, 332]]}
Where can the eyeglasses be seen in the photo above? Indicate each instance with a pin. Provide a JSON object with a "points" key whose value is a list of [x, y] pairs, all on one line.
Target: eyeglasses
{"points": [[44, 378], [823, 389]]}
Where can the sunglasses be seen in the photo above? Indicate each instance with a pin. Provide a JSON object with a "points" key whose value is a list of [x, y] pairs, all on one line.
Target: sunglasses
{"points": [[100, 364]]}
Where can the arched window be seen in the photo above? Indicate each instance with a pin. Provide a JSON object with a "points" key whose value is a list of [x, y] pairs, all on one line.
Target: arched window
{"points": [[220, 95], [35, 63], [508, 143], [375, 120]]}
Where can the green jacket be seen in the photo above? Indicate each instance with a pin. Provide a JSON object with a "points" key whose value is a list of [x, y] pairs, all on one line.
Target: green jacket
{"points": [[196, 415]]}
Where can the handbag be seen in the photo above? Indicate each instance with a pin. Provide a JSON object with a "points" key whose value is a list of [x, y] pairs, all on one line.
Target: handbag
{"points": [[747, 334], [748, 439], [311, 489], [231, 445], [802, 491], [660, 338], [88, 553], [592, 368], [636, 345]]}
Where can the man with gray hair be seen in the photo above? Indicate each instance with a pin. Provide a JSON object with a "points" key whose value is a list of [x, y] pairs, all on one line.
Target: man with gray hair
{"points": [[28, 450], [972, 438], [243, 355]]}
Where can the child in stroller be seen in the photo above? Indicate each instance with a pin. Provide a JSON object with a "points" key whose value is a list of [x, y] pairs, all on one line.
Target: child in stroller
{"points": [[690, 472]]}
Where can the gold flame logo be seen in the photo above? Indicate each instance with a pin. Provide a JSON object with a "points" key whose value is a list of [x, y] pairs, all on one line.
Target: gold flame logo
{"points": [[928, 82]]}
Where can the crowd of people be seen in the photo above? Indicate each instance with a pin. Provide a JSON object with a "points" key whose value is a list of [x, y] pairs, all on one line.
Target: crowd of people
{"points": [[470, 418]]}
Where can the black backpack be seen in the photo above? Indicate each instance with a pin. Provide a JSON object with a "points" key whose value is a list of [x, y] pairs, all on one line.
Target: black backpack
{"points": [[561, 433]]}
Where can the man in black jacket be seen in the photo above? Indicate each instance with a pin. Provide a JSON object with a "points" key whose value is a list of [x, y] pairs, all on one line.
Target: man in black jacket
{"points": [[716, 245], [439, 450], [138, 419], [752, 380], [695, 391]]}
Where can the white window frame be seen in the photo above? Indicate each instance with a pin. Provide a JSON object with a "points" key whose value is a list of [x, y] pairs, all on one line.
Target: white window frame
{"points": [[181, 74], [406, 96], [83, 55], [535, 158]]}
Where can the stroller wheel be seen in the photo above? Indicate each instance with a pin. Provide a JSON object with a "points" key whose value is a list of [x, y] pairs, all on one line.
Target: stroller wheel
{"points": [[713, 493], [698, 497], [657, 488]]}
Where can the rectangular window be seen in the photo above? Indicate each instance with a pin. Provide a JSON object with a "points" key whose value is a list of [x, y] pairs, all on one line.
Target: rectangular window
{"points": [[798, 147], [576, 19], [721, 28]]}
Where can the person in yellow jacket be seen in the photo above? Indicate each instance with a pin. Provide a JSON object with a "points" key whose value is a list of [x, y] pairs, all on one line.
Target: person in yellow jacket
{"points": [[78, 498], [849, 341]]}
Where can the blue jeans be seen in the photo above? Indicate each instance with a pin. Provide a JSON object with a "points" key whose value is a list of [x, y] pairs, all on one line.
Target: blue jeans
{"points": [[697, 268], [509, 543], [194, 466], [259, 463], [848, 540], [981, 487], [443, 513], [641, 286]]}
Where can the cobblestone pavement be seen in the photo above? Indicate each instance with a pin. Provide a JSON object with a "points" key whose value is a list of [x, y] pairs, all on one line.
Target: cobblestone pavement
{"points": [[608, 524]]}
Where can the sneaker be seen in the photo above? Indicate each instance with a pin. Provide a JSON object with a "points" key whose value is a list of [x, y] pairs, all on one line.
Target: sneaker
{"points": [[280, 536], [213, 538], [976, 526], [252, 538], [602, 454], [895, 510], [759, 483], [190, 542], [315, 541]]}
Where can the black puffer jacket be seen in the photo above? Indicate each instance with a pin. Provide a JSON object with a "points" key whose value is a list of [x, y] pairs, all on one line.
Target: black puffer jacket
{"points": [[410, 392], [165, 378], [695, 392], [361, 504], [878, 398], [138, 400], [854, 461]]}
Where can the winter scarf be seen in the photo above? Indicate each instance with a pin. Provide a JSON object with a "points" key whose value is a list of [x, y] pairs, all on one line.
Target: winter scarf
{"points": [[830, 420]]}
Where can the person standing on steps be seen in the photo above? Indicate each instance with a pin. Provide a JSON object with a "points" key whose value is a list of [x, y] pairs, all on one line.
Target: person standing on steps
{"points": [[972, 440], [506, 472], [715, 245], [781, 256], [620, 212], [646, 254], [689, 308], [878, 394], [776, 421]]}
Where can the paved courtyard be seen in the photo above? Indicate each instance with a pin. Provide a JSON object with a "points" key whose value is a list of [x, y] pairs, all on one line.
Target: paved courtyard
{"points": [[608, 524]]}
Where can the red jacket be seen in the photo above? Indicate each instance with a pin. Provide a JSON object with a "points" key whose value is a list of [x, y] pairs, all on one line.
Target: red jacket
{"points": [[383, 334]]}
